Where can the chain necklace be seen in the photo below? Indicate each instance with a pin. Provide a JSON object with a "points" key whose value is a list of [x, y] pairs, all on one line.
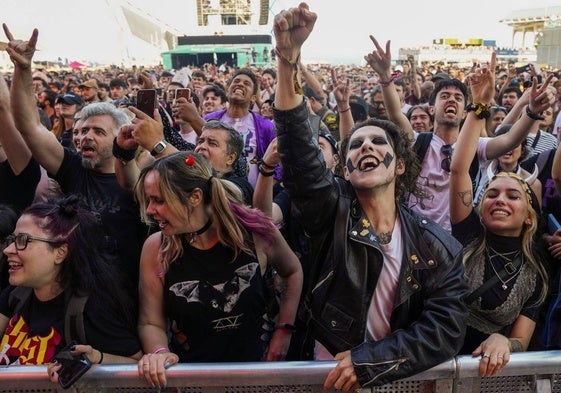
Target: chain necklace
{"points": [[509, 266]]}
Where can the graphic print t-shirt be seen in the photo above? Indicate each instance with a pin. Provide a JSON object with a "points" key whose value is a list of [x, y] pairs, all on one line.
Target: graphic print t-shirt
{"points": [[216, 305], [32, 343]]}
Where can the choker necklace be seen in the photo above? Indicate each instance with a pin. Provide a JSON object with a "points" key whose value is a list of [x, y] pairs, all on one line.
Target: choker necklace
{"points": [[192, 235]]}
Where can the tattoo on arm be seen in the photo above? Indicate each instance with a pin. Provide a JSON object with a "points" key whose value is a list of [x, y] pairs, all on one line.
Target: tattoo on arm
{"points": [[466, 197], [515, 345]]}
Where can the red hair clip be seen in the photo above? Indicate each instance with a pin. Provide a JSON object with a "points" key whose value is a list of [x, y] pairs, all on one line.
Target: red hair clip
{"points": [[190, 161]]}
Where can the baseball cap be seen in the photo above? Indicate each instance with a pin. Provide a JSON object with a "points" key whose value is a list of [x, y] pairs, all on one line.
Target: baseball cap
{"points": [[70, 99], [440, 76], [310, 93], [331, 141], [167, 74], [502, 75], [89, 83], [359, 108]]}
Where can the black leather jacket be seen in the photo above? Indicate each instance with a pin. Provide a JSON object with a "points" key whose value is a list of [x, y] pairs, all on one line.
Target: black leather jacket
{"points": [[428, 317]]}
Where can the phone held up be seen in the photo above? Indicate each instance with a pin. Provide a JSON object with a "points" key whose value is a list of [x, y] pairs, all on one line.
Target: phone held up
{"points": [[185, 93], [73, 366], [146, 101]]}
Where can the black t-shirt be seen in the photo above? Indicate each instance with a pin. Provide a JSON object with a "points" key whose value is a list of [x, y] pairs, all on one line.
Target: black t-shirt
{"points": [[115, 207], [216, 305], [18, 191], [36, 333], [243, 184]]}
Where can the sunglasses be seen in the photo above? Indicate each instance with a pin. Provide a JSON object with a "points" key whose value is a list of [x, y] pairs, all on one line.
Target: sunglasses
{"points": [[22, 239], [446, 151]]}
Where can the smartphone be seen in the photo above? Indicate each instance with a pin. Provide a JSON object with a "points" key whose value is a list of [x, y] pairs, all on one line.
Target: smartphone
{"points": [[73, 366], [146, 101], [552, 224], [185, 93], [522, 69]]}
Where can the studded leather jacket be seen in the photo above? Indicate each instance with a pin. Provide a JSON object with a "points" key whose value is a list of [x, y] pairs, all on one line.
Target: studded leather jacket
{"points": [[428, 316]]}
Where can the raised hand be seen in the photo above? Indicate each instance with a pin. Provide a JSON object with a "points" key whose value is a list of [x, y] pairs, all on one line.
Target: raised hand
{"points": [[341, 88], [541, 97], [380, 60], [292, 27], [482, 82], [21, 52]]}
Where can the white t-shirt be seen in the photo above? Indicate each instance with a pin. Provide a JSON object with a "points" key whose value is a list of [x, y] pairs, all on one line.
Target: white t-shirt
{"points": [[436, 182], [246, 128], [381, 305]]}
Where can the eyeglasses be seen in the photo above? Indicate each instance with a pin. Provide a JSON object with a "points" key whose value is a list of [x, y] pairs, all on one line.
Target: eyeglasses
{"points": [[22, 239], [446, 151], [498, 108]]}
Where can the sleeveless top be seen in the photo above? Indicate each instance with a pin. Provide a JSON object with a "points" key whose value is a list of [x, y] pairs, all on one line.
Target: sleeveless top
{"points": [[216, 306]]}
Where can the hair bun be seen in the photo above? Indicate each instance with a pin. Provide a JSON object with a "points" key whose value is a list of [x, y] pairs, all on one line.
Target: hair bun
{"points": [[68, 206]]}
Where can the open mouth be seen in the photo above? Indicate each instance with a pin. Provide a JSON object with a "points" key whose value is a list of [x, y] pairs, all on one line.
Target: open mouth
{"points": [[499, 213], [14, 266], [368, 163], [87, 150], [450, 109]]}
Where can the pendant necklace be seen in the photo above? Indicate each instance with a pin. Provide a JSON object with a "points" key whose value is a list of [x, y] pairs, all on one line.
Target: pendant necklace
{"points": [[509, 266]]}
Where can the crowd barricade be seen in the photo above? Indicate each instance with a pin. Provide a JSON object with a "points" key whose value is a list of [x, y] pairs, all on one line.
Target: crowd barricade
{"points": [[527, 372]]}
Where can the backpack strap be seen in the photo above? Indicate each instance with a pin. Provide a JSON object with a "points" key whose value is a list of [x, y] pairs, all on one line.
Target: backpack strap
{"points": [[421, 145], [543, 158], [74, 318], [18, 297]]}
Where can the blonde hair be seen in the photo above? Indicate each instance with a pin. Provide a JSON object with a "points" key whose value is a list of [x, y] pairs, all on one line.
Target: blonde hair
{"points": [[478, 248], [182, 173]]}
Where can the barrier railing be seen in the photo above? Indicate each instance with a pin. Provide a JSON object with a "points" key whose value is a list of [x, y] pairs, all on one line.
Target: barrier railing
{"points": [[526, 372]]}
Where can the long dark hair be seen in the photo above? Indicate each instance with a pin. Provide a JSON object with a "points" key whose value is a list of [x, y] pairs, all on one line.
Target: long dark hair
{"points": [[89, 267]]}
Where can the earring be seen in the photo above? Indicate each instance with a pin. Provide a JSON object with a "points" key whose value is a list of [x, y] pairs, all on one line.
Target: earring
{"points": [[528, 222]]}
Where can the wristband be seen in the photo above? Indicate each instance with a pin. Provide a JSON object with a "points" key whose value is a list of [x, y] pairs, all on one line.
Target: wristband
{"points": [[267, 166], [161, 349], [294, 64], [101, 358], [481, 110], [345, 110], [122, 154], [533, 115], [286, 326], [264, 172]]}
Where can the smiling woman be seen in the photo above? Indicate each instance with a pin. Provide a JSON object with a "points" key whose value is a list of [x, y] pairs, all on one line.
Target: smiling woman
{"points": [[57, 251], [504, 251]]}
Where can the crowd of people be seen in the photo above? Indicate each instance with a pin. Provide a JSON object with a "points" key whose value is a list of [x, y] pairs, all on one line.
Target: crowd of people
{"points": [[388, 217]]}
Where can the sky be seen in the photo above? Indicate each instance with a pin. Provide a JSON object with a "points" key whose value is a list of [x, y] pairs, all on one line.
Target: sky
{"points": [[88, 31]]}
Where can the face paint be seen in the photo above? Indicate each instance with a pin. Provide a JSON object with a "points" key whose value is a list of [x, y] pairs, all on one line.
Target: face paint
{"points": [[387, 160], [350, 167]]}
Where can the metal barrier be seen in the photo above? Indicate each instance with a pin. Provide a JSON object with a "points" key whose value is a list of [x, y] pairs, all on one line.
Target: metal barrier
{"points": [[527, 372]]}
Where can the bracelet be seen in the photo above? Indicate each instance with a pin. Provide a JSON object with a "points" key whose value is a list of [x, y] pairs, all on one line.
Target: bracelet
{"points": [[295, 77], [101, 358], [264, 172], [161, 349], [386, 84], [286, 326], [122, 154], [267, 166], [481, 110], [533, 115], [345, 110]]}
